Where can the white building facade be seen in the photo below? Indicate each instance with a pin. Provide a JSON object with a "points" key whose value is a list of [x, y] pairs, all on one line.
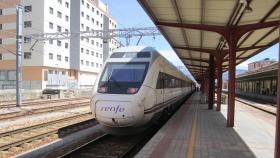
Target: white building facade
{"points": [[55, 64]]}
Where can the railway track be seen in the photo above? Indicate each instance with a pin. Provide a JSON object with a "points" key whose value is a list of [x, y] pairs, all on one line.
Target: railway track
{"points": [[111, 146], [13, 142], [18, 114], [40, 102], [257, 104]]}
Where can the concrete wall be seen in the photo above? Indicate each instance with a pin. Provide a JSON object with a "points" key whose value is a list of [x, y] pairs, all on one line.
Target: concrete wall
{"points": [[10, 95]]}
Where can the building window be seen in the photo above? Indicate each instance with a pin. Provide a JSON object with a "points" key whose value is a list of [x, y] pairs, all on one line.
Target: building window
{"points": [[97, 23], [87, 63], [96, 65], [66, 59], [82, 50], [82, 25], [59, 1], [97, 12], [51, 10], [3, 75], [100, 45], [50, 41], [27, 39], [97, 44], [96, 54], [28, 8], [83, 14], [92, 53], [92, 20], [87, 17], [101, 25], [92, 9], [92, 64], [82, 62], [58, 28], [87, 40], [51, 56], [66, 45], [27, 55], [0, 40], [92, 42], [1, 26], [50, 25], [87, 51], [66, 30], [1, 12], [59, 14], [66, 18], [58, 43], [58, 57], [100, 55], [1, 57], [11, 75], [87, 5], [66, 4], [83, 2], [87, 28], [27, 24]]}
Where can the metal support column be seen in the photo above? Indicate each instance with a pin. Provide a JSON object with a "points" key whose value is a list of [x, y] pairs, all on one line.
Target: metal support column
{"points": [[277, 134], [18, 55], [211, 82], [231, 80], [219, 82]]}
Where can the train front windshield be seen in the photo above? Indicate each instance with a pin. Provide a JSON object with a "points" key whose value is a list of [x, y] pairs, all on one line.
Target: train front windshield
{"points": [[122, 78]]}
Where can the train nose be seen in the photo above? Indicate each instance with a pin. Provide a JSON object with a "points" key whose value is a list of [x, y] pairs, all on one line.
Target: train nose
{"points": [[113, 113]]}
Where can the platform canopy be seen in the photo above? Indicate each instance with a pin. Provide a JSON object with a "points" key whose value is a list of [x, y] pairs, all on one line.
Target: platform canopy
{"points": [[195, 28]]}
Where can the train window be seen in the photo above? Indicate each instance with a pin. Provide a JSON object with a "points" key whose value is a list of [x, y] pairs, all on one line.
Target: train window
{"points": [[143, 55], [117, 55], [168, 81], [120, 78], [160, 81], [274, 87], [131, 55], [267, 87]]}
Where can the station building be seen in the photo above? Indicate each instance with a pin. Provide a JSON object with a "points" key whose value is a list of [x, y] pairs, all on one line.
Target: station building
{"points": [[259, 64], [71, 63]]}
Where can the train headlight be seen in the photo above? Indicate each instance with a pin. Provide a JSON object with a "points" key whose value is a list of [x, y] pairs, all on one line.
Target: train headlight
{"points": [[132, 90], [102, 89]]}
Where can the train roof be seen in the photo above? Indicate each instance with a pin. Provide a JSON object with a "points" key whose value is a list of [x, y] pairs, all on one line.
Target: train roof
{"points": [[135, 49]]}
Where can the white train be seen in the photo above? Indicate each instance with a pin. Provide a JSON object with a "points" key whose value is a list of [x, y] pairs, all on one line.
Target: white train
{"points": [[136, 86]]}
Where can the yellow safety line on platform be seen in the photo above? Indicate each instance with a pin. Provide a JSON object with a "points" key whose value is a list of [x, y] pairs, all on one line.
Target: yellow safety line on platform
{"points": [[193, 135]]}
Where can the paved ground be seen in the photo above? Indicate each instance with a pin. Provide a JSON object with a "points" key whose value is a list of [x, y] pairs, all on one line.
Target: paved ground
{"points": [[195, 131]]}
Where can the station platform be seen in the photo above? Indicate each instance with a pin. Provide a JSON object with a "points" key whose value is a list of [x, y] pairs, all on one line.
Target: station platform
{"points": [[196, 132]]}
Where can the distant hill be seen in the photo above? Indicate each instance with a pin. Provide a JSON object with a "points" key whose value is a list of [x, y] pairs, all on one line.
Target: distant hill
{"points": [[238, 71]]}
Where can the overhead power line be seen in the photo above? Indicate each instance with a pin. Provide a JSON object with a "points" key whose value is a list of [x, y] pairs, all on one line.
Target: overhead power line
{"points": [[126, 33]]}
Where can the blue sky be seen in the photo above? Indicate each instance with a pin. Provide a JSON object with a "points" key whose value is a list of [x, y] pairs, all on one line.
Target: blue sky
{"points": [[129, 13]]}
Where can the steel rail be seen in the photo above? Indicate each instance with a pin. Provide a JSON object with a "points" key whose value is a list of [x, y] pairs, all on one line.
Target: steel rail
{"points": [[18, 114], [16, 143]]}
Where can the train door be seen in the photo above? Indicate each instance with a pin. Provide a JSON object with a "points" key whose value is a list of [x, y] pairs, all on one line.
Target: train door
{"points": [[160, 87]]}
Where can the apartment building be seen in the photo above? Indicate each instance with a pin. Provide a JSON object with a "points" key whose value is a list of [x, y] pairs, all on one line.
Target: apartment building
{"points": [[61, 64], [259, 64], [88, 15]]}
